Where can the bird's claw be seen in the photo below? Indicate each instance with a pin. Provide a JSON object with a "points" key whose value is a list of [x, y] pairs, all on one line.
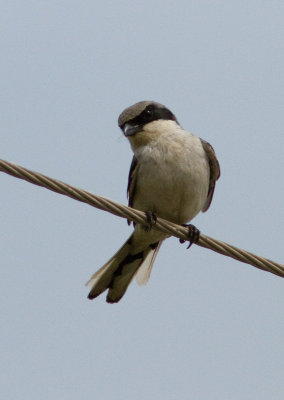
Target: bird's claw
{"points": [[192, 235], [151, 220]]}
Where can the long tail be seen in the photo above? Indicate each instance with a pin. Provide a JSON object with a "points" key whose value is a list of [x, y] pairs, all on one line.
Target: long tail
{"points": [[118, 272]]}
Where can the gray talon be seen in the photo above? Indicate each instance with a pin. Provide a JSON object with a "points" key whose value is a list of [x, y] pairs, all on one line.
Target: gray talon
{"points": [[151, 220], [193, 234]]}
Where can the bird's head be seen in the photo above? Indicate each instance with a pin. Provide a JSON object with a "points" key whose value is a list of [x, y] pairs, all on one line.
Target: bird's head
{"points": [[144, 121]]}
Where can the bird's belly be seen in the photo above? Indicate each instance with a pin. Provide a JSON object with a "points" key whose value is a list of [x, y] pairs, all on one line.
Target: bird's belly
{"points": [[174, 191]]}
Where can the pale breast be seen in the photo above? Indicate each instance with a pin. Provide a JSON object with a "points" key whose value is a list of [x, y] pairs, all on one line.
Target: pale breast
{"points": [[173, 177]]}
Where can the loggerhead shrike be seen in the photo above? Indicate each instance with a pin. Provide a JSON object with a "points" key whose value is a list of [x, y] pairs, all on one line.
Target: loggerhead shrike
{"points": [[172, 176]]}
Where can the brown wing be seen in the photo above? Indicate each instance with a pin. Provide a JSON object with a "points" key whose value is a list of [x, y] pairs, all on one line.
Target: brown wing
{"points": [[214, 172], [132, 182]]}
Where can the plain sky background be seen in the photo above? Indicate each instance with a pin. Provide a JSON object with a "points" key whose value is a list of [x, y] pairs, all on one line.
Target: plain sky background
{"points": [[205, 326]]}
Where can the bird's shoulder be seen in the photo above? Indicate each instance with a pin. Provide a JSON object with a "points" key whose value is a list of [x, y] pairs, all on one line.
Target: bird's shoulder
{"points": [[215, 171], [132, 181]]}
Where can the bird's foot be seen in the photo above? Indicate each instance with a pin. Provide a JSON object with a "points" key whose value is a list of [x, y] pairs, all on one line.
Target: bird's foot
{"points": [[151, 220], [193, 235]]}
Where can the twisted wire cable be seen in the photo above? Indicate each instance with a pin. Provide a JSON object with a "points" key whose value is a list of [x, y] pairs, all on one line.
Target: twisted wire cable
{"points": [[123, 211]]}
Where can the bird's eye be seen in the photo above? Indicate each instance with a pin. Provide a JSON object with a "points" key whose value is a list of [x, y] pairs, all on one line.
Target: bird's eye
{"points": [[148, 113]]}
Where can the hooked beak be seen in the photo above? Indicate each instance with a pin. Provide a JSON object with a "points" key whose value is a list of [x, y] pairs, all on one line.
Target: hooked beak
{"points": [[130, 130]]}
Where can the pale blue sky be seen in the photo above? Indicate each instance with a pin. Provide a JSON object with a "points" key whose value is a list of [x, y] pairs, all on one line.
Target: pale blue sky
{"points": [[206, 326]]}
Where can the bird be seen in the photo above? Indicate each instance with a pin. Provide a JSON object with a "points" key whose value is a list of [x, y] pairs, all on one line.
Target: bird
{"points": [[172, 176]]}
